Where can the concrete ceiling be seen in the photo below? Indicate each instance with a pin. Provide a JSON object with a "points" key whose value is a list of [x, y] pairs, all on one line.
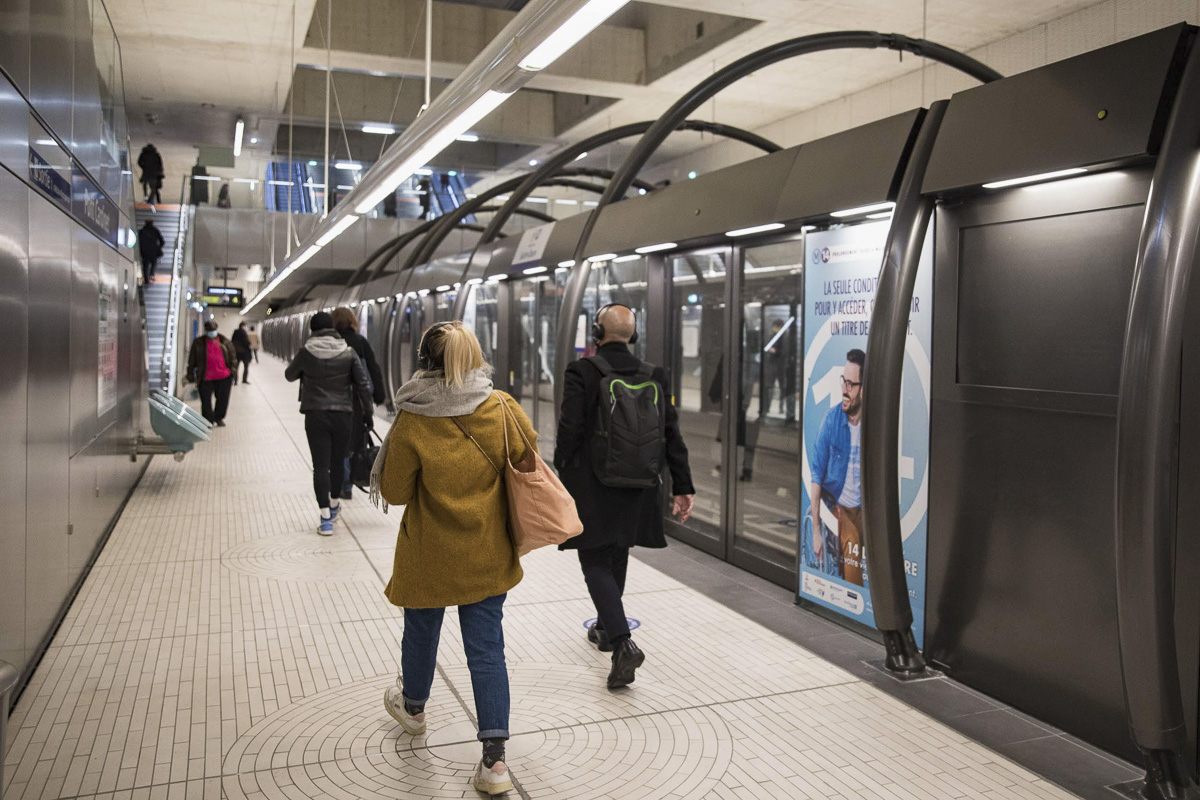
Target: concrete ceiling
{"points": [[191, 68]]}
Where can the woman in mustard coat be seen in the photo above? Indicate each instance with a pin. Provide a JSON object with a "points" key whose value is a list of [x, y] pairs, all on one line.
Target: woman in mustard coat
{"points": [[443, 460]]}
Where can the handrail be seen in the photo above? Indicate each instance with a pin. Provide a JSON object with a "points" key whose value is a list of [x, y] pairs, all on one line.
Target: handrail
{"points": [[882, 383], [171, 323], [1147, 442]]}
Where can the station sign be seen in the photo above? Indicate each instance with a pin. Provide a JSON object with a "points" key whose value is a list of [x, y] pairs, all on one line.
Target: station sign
{"points": [[223, 296], [532, 245], [52, 172]]}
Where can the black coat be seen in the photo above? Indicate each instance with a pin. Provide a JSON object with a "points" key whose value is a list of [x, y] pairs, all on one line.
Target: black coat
{"points": [[150, 242], [151, 164], [241, 343], [624, 517], [361, 346]]}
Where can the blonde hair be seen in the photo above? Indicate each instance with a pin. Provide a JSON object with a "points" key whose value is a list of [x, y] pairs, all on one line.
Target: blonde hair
{"points": [[455, 347]]}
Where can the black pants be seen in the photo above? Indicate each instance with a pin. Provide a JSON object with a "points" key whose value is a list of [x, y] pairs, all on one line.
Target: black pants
{"points": [[328, 437], [604, 573], [221, 388], [149, 265], [245, 359]]}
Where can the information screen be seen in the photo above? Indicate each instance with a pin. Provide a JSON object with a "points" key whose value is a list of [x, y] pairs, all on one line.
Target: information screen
{"points": [[222, 296]]}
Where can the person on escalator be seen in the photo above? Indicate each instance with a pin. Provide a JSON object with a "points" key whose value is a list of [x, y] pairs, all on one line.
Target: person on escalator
{"points": [[150, 247], [330, 375]]}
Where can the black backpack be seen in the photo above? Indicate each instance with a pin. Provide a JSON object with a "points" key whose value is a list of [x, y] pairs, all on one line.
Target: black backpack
{"points": [[630, 441]]}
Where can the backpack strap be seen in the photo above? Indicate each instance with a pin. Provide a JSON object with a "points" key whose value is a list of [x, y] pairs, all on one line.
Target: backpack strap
{"points": [[601, 363]]}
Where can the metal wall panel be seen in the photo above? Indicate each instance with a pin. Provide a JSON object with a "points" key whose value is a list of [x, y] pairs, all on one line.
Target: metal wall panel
{"points": [[14, 41], [52, 24], [49, 416], [14, 316], [85, 107], [1099, 107], [14, 128], [85, 316]]}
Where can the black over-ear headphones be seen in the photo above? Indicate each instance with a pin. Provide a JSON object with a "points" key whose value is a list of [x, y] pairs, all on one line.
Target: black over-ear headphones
{"points": [[425, 358], [598, 327]]}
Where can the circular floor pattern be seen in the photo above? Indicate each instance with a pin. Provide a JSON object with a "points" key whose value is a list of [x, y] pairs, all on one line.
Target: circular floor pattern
{"points": [[341, 742], [301, 557]]}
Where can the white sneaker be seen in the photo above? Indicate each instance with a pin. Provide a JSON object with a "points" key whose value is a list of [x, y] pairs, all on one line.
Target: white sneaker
{"points": [[393, 701], [496, 780]]}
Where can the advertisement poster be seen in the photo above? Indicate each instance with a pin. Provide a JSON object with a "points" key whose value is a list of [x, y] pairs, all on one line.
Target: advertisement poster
{"points": [[842, 271], [107, 375]]}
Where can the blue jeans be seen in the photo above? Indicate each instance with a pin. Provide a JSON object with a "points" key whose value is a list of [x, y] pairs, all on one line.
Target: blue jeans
{"points": [[483, 639]]}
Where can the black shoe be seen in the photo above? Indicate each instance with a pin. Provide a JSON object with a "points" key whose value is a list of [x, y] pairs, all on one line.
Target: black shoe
{"points": [[220, 423], [598, 637], [626, 658], [746, 476]]}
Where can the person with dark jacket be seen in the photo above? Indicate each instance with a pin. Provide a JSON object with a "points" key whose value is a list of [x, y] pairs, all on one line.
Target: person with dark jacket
{"points": [[150, 247], [211, 366], [151, 164], [241, 346], [346, 323], [330, 375], [614, 519]]}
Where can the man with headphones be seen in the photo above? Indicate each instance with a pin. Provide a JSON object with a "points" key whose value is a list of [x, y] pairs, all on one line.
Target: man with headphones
{"points": [[611, 455]]}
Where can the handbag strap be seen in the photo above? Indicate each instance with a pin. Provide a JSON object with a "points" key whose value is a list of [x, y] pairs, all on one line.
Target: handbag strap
{"points": [[509, 414], [467, 433]]}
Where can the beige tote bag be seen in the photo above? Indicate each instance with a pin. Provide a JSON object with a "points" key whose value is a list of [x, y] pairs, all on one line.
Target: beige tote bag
{"points": [[541, 511]]}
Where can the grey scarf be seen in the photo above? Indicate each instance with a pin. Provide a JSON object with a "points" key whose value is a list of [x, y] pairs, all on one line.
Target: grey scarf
{"points": [[428, 394]]}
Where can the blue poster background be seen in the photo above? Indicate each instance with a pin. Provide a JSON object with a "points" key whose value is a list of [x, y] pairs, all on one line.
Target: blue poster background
{"points": [[842, 268]]}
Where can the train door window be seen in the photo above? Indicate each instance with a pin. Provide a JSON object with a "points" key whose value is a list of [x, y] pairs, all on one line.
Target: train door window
{"points": [[697, 365], [524, 366], [550, 292], [768, 432], [481, 316]]}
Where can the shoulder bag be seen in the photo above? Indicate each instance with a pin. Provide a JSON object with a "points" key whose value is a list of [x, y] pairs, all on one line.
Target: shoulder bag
{"points": [[541, 511]]}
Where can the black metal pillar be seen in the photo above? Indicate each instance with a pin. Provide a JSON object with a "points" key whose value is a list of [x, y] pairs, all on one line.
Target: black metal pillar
{"points": [[1147, 442]]}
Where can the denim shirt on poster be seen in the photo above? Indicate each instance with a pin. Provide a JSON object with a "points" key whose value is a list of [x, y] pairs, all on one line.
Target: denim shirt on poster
{"points": [[832, 455]]}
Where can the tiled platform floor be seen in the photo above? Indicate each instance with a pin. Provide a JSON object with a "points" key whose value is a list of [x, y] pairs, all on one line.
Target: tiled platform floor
{"points": [[220, 649]]}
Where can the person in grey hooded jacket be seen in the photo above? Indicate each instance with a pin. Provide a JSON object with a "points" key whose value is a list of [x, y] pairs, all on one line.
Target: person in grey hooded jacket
{"points": [[329, 372]]}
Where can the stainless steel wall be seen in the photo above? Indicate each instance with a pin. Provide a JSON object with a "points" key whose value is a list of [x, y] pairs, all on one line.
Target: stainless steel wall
{"points": [[66, 469]]}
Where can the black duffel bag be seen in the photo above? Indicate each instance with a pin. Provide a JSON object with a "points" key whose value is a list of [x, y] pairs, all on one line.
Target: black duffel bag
{"points": [[363, 458]]}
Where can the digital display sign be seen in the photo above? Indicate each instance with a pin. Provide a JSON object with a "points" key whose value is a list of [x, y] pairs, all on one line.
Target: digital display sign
{"points": [[222, 296]]}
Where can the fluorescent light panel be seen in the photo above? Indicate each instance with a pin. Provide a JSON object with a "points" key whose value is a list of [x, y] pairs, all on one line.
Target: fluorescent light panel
{"points": [[539, 200], [770, 226], [445, 287], [853, 212], [602, 257], [467, 137], [623, 259], [238, 130], [384, 130], [353, 166], [568, 263], [1045, 176], [489, 102], [654, 248], [338, 228], [579, 25], [533, 270], [880, 215]]}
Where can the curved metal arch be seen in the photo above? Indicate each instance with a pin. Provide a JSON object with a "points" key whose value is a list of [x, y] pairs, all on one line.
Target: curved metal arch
{"points": [[577, 281], [524, 212]]}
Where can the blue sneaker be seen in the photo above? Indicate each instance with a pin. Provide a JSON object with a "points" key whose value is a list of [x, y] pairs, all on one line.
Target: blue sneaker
{"points": [[326, 528], [334, 510]]}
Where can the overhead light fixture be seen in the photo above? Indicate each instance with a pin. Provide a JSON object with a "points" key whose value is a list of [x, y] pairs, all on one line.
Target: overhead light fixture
{"points": [[344, 186], [253, 140], [654, 248], [489, 102], [452, 173], [770, 226], [423, 293], [381, 299], [311, 185], [338, 228], [533, 270], [602, 257], [853, 212], [641, 191], [312, 163], [238, 129], [46, 142], [692, 175], [577, 26], [206, 178], [567, 264], [445, 287], [471, 195], [566, 202], [280, 183], [538, 200], [591, 202], [474, 281], [245, 180], [880, 215], [623, 259], [581, 156], [533, 162], [353, 166], [497, 278], [1045, 176], [467, 137], [385, 130]]}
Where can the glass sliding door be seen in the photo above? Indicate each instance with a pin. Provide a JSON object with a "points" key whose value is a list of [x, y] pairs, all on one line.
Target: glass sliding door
{"points": [[765, 519], [697, 350]]}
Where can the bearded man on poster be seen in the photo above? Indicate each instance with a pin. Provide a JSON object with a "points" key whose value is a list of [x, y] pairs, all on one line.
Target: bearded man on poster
{"points": [[837, 480]]}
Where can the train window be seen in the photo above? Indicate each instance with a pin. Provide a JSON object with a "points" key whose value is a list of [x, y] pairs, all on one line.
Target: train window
{"points": [[1042, 302]]}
